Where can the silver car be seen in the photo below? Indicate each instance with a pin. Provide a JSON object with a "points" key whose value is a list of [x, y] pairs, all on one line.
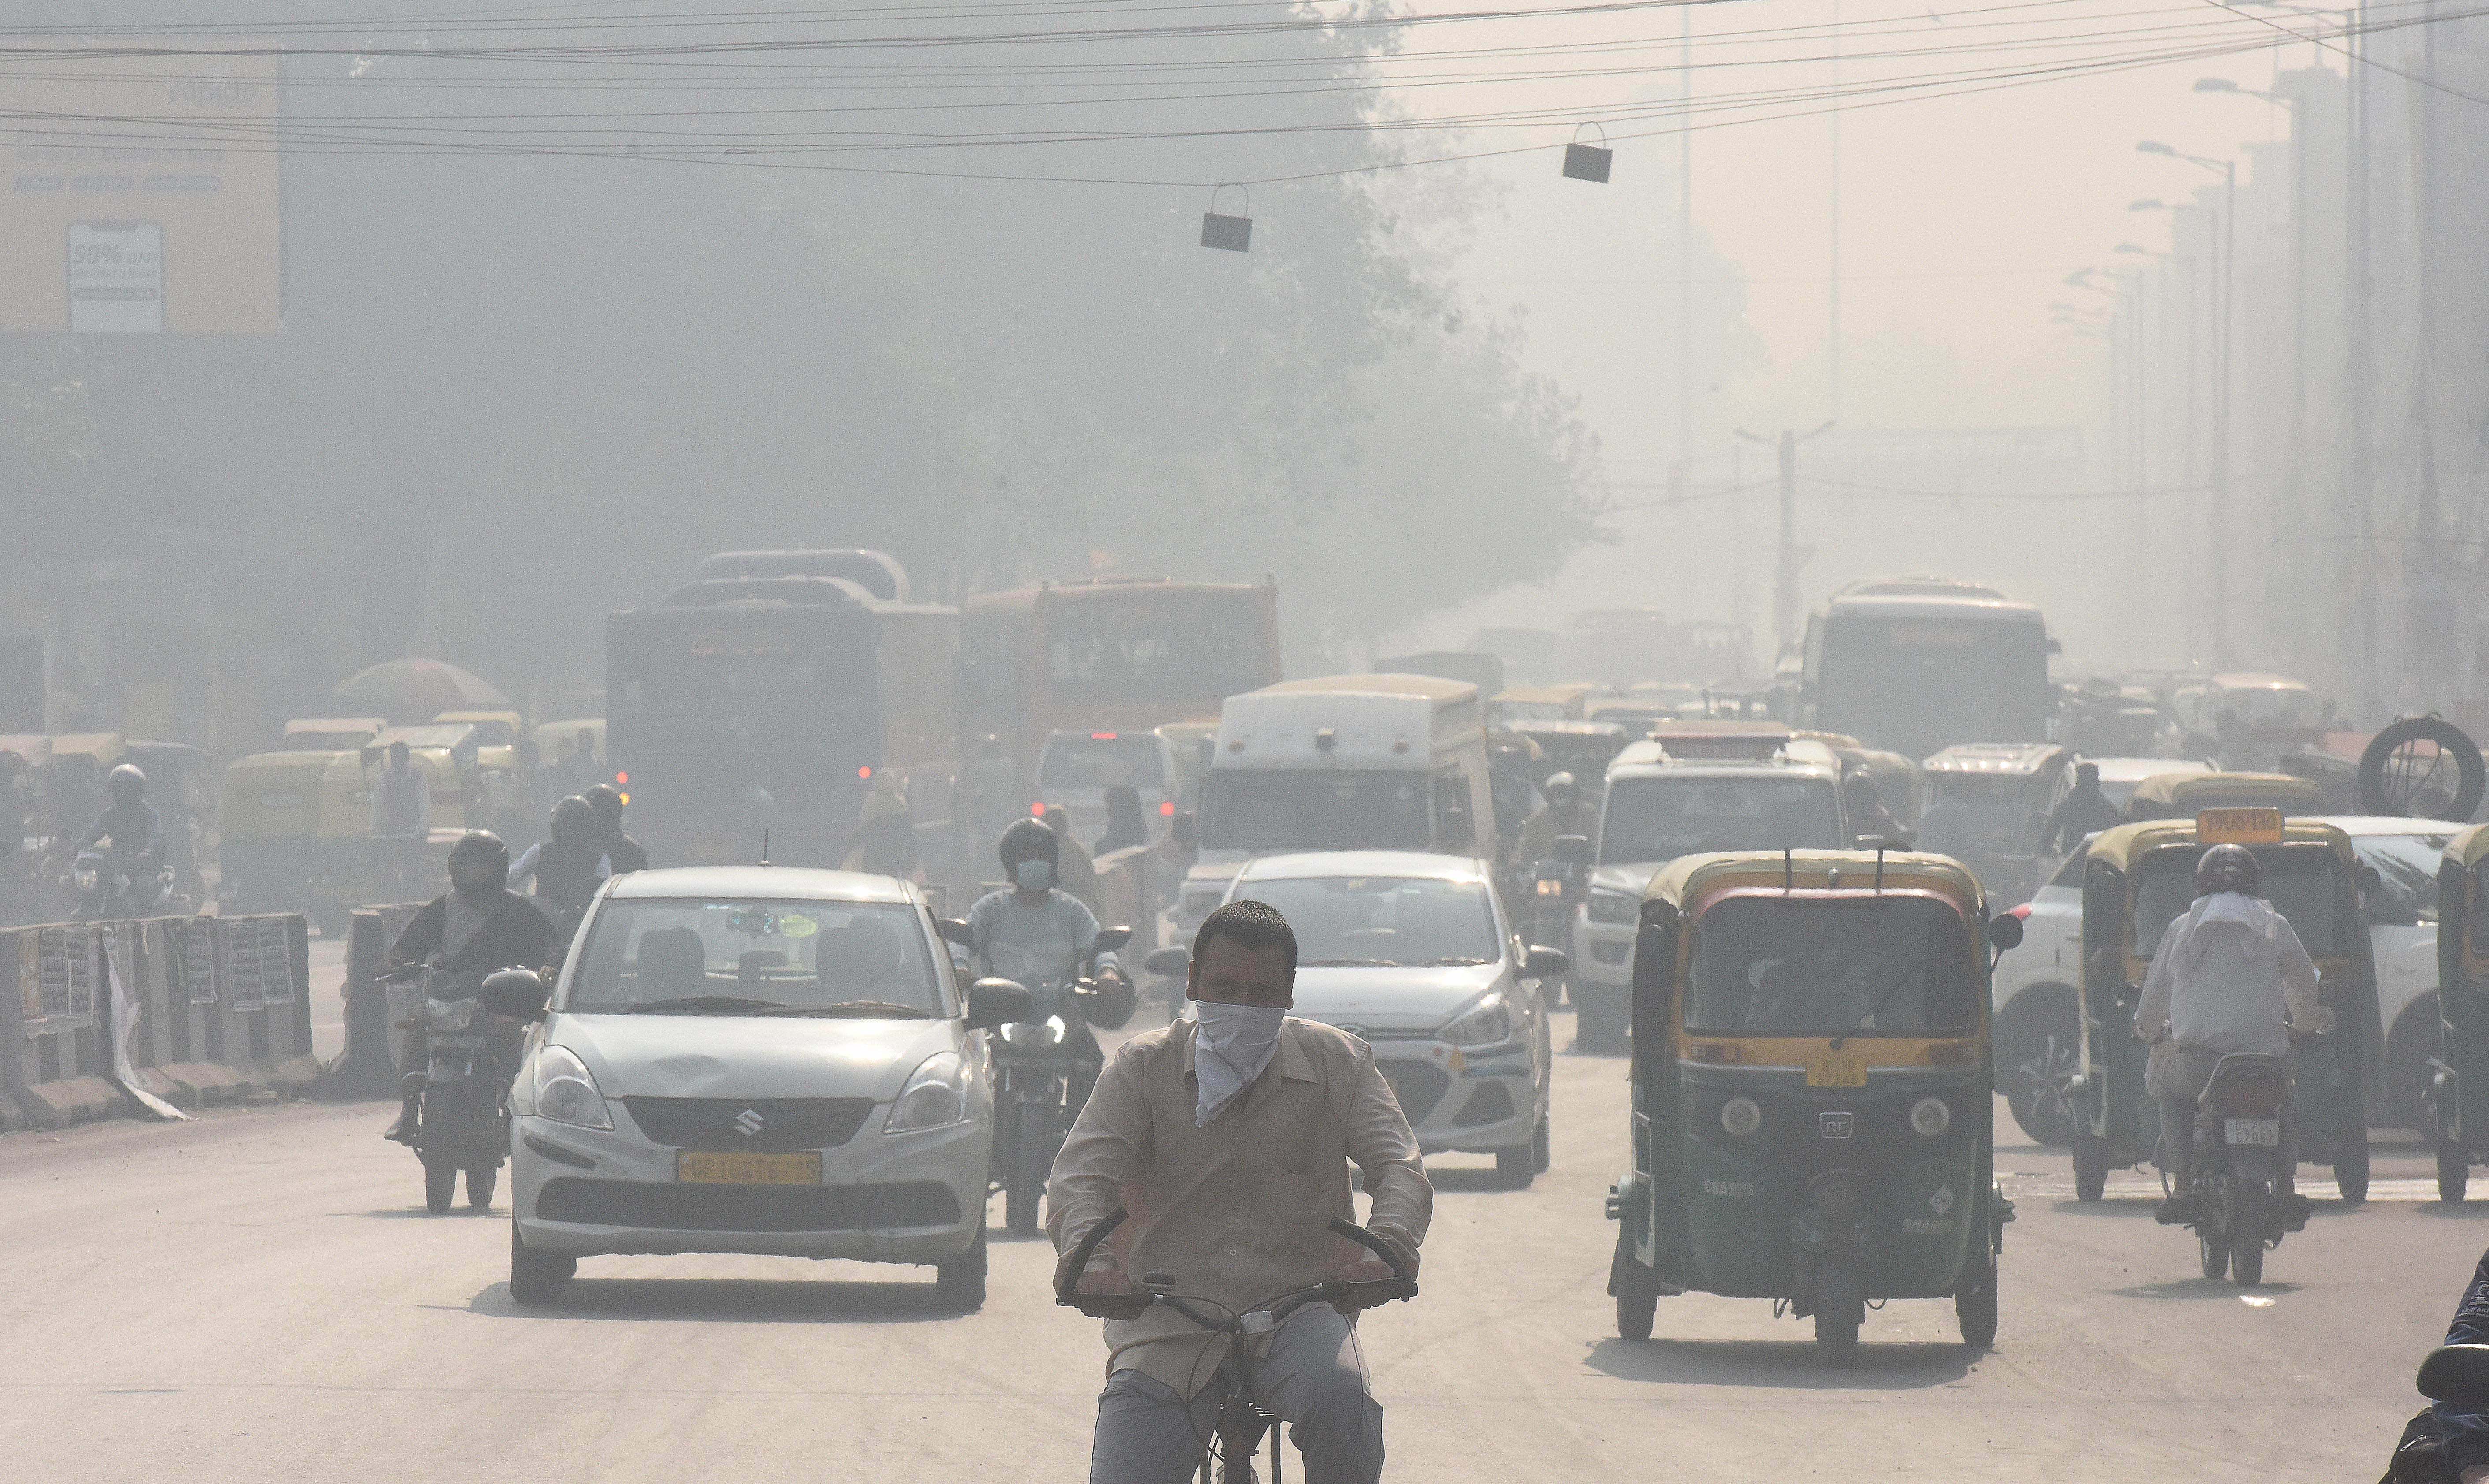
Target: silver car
{"points": [[747, 1058], [1414, 952]]}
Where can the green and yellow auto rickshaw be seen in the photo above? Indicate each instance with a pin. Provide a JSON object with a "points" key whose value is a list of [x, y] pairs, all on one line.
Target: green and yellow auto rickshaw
{"points": [[271, 855], [2185, 795], [1812, 1091], [2136, 880], [2458, 1100]]}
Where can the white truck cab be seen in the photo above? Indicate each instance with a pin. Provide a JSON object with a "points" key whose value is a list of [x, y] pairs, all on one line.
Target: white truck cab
{"points": [[1342, 763]]}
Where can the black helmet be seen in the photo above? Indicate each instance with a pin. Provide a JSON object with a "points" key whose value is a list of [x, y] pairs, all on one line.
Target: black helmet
{"points": [[1030, 840], [2227, 868], [127, 784], [479, 866], [1859, 787], [607, 801], [573, 818], [1559, 787]]}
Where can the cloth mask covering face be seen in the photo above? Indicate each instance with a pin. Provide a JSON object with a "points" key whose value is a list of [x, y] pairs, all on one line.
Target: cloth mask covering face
{"points": [[1034, 875], [1230, 1047]]}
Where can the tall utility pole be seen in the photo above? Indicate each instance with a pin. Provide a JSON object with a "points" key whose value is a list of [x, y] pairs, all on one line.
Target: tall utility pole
{"points": [[1685, 242], [2360, 663], [1832, 408], [1792, 557]]}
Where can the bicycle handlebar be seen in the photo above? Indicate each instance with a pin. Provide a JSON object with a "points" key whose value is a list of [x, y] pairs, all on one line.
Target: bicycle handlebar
{"points": [[1402, 1284]]}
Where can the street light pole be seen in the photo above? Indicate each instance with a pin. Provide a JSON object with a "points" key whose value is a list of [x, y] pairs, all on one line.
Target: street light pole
{"points": [[1791, 557], [2216, 561]]}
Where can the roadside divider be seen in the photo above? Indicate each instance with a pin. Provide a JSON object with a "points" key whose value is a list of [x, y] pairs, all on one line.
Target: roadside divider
{"points": [[369, 1065], [210, 1010]]}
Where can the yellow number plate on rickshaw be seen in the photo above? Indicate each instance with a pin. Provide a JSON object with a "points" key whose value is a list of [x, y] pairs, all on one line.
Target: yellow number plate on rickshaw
{"points": [[1837, 1071], [695, 1168]]}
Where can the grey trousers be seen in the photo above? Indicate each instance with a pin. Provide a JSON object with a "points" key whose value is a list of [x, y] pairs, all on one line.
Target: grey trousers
{"points": [[1310, 1379], [2177, 1077]]}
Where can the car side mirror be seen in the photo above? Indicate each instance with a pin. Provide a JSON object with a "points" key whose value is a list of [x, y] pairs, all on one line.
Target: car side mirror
{"points": [[1112, 938], [2006, 932], [1182, 832], [1546, 962], [518, 993], [955, 929], [1170, 961], [2369, 880], [997, 1002], [1573, 850]]}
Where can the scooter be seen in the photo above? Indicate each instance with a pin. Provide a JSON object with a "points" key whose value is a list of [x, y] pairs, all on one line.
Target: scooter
{"points": [[2243, 1201], [110, 886], [457, 1109], [1032, 1085]]}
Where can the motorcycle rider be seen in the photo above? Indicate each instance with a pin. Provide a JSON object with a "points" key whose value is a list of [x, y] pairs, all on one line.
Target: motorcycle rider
{"points": [[566, 869], [400, 817], [1565, 813], [2082, 812], [478, 926], [1036, 933], [1076, 870], [2229, 976], [132, 825], [623, 853]]}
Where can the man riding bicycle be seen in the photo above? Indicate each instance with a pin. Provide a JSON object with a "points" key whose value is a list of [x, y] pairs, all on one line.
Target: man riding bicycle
{"points": [[1230, 1138]]}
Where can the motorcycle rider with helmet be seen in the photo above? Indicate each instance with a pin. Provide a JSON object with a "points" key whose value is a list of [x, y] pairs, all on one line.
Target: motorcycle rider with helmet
{"points": [[132, 825], [478, 926], [622, 854], [1565, 813], [1034, 932], [566, 869], [2229, 976]]}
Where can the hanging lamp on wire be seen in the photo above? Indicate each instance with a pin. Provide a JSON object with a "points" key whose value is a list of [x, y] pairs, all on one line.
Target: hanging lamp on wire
{"points": [[1589, 162], [1228, 234]]}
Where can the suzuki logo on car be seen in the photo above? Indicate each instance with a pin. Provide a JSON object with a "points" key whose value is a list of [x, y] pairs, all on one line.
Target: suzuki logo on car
{"points": [[748, 1122], [1836, 1126]]}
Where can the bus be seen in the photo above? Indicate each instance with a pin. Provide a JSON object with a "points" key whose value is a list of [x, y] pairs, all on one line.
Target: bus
{"points": [[751, 706], [1111, 655], [1917, 665]]}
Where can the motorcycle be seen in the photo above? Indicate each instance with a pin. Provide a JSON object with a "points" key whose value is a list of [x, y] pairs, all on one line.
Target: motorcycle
{"points": [[1554, 889], [457, 1106], [1033, 1111], [110, 886], [2242, 1198]]}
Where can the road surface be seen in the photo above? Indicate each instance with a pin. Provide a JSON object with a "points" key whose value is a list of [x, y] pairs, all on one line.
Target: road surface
{"points": [[257, 1296]]}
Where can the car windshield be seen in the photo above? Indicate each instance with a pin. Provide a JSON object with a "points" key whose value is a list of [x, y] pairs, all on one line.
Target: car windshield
{"points": [[1971, 812], [758, 956], [1279, 809], [1868, 966], [2300, 884], [1382, 920], [1102, 761], [2406, 868], [1657, 819]]}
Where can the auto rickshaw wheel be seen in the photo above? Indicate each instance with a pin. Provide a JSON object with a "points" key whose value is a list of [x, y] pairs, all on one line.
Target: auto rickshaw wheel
{"points": [[2090, 1161], [2453, 1171], [1839, 1310], [1637, 1292], [1974, 1296]]}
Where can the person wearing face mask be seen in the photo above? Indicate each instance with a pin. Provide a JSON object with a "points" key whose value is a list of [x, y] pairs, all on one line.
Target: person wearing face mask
{"points": [[1038, 934], [1229, 1137], [478, 926]]}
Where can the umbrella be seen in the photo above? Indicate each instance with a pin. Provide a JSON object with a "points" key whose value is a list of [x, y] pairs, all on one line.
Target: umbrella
{"points": [[410, 691]]}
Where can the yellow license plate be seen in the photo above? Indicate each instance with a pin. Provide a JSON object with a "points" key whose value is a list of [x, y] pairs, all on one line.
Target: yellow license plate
{"points": [[1837, 1071], [695, 1168]]}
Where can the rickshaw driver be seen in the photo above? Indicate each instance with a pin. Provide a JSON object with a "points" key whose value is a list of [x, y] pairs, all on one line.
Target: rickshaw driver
{"points": [[2229, 976], [1826, 986]]}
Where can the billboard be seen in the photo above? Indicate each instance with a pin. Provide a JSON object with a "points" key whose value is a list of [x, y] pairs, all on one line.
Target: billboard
{"points": [[141, 194]]}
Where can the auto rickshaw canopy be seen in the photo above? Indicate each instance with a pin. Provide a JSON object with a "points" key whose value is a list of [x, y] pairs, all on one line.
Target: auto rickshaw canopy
{"points": [[331, 733], [2181, 796]]}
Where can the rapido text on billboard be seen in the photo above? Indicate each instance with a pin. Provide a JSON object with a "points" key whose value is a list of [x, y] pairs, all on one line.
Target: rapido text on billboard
{"points": [[142, 195]]}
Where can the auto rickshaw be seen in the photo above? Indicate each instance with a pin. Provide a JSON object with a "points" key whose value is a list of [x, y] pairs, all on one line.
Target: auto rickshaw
{"points": [[2458, 1101], [2136, 880], [2185, 795], [1541, 703], [1813, 1090], [331, 733], [271, 854], [1897, 777]]}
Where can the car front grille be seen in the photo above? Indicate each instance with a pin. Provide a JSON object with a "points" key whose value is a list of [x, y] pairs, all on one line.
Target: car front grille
{"points": [[701, 1207], [1490, 1103], [1417, 1085], [762, 1125]]}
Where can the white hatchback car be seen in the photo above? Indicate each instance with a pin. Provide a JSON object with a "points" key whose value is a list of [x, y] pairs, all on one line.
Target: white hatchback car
{"points": [[1413, 952], [748, 1058]]}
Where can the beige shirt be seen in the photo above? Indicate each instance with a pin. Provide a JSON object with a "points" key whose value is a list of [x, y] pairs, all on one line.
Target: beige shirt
{"points": [[1238, 1211]]}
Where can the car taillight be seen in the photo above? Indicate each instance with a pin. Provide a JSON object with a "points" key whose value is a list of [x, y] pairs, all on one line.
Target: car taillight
{"points": [[2023, 911], [2252, 1097]]}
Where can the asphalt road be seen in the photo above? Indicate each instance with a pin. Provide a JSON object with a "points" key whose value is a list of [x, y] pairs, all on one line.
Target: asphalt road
{"points": [[257, 1296]]}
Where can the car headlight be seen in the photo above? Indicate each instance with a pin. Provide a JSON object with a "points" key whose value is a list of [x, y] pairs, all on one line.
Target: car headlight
{"points": [[1930, 1117], [1610, 907], [1741, 1116], [449, 1014], [935, 1096], [566, 1093], [1490, 1020]]}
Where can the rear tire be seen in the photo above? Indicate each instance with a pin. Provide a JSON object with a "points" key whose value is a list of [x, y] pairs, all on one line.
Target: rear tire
{"points": [[1025, 1183], [480, 1181], [1637, 1295], [961, 1282], [1974, 1296], [2453, 1171], [2091, 1162], [439, 1185], [2248, 1216], [2351, 1167], [2215, 1254], [536, 1277], [1837, 1312]]}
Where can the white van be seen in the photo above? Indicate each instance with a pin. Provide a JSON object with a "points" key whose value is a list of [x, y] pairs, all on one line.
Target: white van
{"points": [[1342, 763]]}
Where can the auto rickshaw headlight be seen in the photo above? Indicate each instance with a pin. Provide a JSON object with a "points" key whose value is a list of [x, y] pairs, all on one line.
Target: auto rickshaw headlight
{"points": [[1741, 1116], [1930, 1117]]}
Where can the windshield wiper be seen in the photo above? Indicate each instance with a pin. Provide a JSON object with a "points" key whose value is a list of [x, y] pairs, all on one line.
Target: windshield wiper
{"points": [[701, 1005], [1348, 963], [880, 1009]]}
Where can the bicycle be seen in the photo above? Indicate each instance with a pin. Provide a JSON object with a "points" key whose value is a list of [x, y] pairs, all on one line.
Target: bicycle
{"points": [[1241, 1421]]}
